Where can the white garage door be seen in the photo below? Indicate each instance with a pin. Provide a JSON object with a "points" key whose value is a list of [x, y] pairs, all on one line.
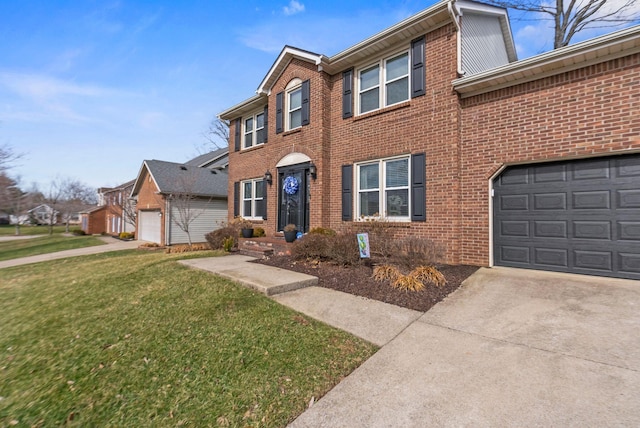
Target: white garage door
{"points": [[150, 222]]}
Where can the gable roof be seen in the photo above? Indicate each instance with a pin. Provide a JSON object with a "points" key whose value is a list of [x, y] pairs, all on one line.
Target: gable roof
{"points": [[410, 28], [214, 159], [176, 178]]}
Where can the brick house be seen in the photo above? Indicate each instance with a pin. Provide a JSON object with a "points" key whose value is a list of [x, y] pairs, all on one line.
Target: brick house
{"points": [[433, 125], [120, 213], [93, 220], [168, 194]]}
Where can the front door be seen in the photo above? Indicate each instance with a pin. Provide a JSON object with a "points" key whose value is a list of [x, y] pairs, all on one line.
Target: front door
{"points": [[293, 185]]}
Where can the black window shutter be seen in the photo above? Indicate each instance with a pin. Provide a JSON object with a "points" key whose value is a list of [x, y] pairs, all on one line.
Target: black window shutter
{"points": [[279, 106], [266, 124], [418, 85], [347, 94], [237, 133], [418, 187], [305, 103], [347, 192], [264, 200], [236, 199]]}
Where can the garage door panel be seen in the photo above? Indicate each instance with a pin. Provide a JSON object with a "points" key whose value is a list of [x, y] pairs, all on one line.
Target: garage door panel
{"points": [[628, 198], [551, 257], [515, 228], [592, 230], [629, 263], [550, 229], [576, 216], [550, 201], [594, 260], [551, 173], [592, 200]]}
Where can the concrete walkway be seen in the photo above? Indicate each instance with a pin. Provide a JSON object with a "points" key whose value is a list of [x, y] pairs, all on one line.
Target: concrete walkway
{"points": [[111, 244], [510, 348]]}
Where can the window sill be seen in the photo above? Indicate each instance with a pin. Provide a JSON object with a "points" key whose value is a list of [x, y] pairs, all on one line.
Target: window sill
{"points": [[252, 148], [391, 223], [382, 110], [292, 131]]}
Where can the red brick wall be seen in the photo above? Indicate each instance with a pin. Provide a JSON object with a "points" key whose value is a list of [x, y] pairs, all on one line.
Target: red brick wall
{"points": [[148, 199], [424, 124], [587, 112], [309, 140]]}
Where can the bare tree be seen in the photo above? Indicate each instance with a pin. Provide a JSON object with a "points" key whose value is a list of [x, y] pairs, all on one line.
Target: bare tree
{"points": [[13, 200], [184, 205], [53, 199], [572, 16], [120, 204], [75, 197], [218, 133], [7, 157]]}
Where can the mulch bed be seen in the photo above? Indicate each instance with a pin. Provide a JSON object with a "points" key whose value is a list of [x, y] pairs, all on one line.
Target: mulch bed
{"points": [[358, 280]]}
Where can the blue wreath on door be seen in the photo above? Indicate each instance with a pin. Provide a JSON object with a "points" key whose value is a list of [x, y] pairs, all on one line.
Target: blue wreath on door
{"points": [[290, 185]]}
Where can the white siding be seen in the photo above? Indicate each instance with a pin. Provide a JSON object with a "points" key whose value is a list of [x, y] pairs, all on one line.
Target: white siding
{"points": [[211, 216], [483, 46]]}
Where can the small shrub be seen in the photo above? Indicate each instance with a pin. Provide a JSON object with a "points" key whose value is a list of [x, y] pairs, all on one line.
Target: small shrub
{"points": [[408, 283], [381, 237], [126, 235], [414, 251], [228, 244], [186, 248], [78, 232], [386, 272], [216, 239], [290, 227], [344, 249], [259, 232], [241, 223], [150, 245], [322, 231], [311, 247], [430, 275]]}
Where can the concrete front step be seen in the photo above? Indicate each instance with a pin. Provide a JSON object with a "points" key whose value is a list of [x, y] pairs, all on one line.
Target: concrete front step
{"points": [[265, 279], [265, 246]]}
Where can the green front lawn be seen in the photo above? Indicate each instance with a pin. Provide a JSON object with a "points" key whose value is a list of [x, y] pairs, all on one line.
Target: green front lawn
{"points": [[135, 339], [47, 244], [10, 230]]}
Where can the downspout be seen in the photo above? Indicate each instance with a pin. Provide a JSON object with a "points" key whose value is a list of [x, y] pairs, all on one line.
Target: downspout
{"points": [[454, 17], [167, 221]]}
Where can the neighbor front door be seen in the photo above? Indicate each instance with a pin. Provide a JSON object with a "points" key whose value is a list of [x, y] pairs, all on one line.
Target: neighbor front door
{"points": [[293, 186]]}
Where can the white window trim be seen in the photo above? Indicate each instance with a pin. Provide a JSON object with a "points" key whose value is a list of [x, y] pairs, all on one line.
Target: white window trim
{"points": [[254, 132], [252, 198], [287, 102], [382, 81], [382, 189]]}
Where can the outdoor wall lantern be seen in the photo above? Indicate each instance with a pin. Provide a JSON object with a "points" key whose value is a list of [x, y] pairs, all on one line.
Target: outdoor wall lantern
{"points": [[268, 178], [313, 171]]}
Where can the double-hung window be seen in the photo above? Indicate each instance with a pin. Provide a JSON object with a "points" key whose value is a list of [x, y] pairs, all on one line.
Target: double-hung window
{"points": [[253, 127], [383, 188], [253, 198], [384, 83], [294, 108]]}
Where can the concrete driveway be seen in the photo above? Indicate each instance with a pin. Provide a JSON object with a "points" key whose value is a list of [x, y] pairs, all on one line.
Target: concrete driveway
{"points": [[510, 348]]}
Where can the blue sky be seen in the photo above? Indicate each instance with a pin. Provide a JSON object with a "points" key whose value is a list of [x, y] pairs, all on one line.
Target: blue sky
{"points": [[89, 89]]}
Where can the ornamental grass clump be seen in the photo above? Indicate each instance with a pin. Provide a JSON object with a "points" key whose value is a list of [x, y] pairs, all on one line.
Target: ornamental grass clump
{"points": [[413, 281]]}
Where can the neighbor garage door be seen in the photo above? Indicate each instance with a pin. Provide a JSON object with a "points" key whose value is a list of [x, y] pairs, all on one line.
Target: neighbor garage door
{"points": [[150, 226], [579, 216]]}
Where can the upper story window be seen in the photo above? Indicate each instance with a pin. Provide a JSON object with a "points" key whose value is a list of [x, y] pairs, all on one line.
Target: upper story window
{"points": [[384, 83], [253, 198], [254, 130], [292, 106], [383, 188]]}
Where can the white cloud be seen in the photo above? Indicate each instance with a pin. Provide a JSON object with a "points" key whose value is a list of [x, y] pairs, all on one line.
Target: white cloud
{"points": [[293, 8]]}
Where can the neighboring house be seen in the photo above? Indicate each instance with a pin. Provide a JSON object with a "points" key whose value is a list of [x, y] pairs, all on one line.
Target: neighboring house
{"points": [[43, 214], [434, 126], [93, 220], [167, 192], [121, 209], [21, 219]]}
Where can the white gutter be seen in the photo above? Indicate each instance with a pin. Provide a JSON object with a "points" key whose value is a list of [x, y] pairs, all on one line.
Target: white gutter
{"points": [[454, 17]]}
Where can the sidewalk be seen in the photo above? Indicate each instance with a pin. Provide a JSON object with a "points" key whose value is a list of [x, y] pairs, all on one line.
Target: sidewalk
{"points": [[111, 244]]}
